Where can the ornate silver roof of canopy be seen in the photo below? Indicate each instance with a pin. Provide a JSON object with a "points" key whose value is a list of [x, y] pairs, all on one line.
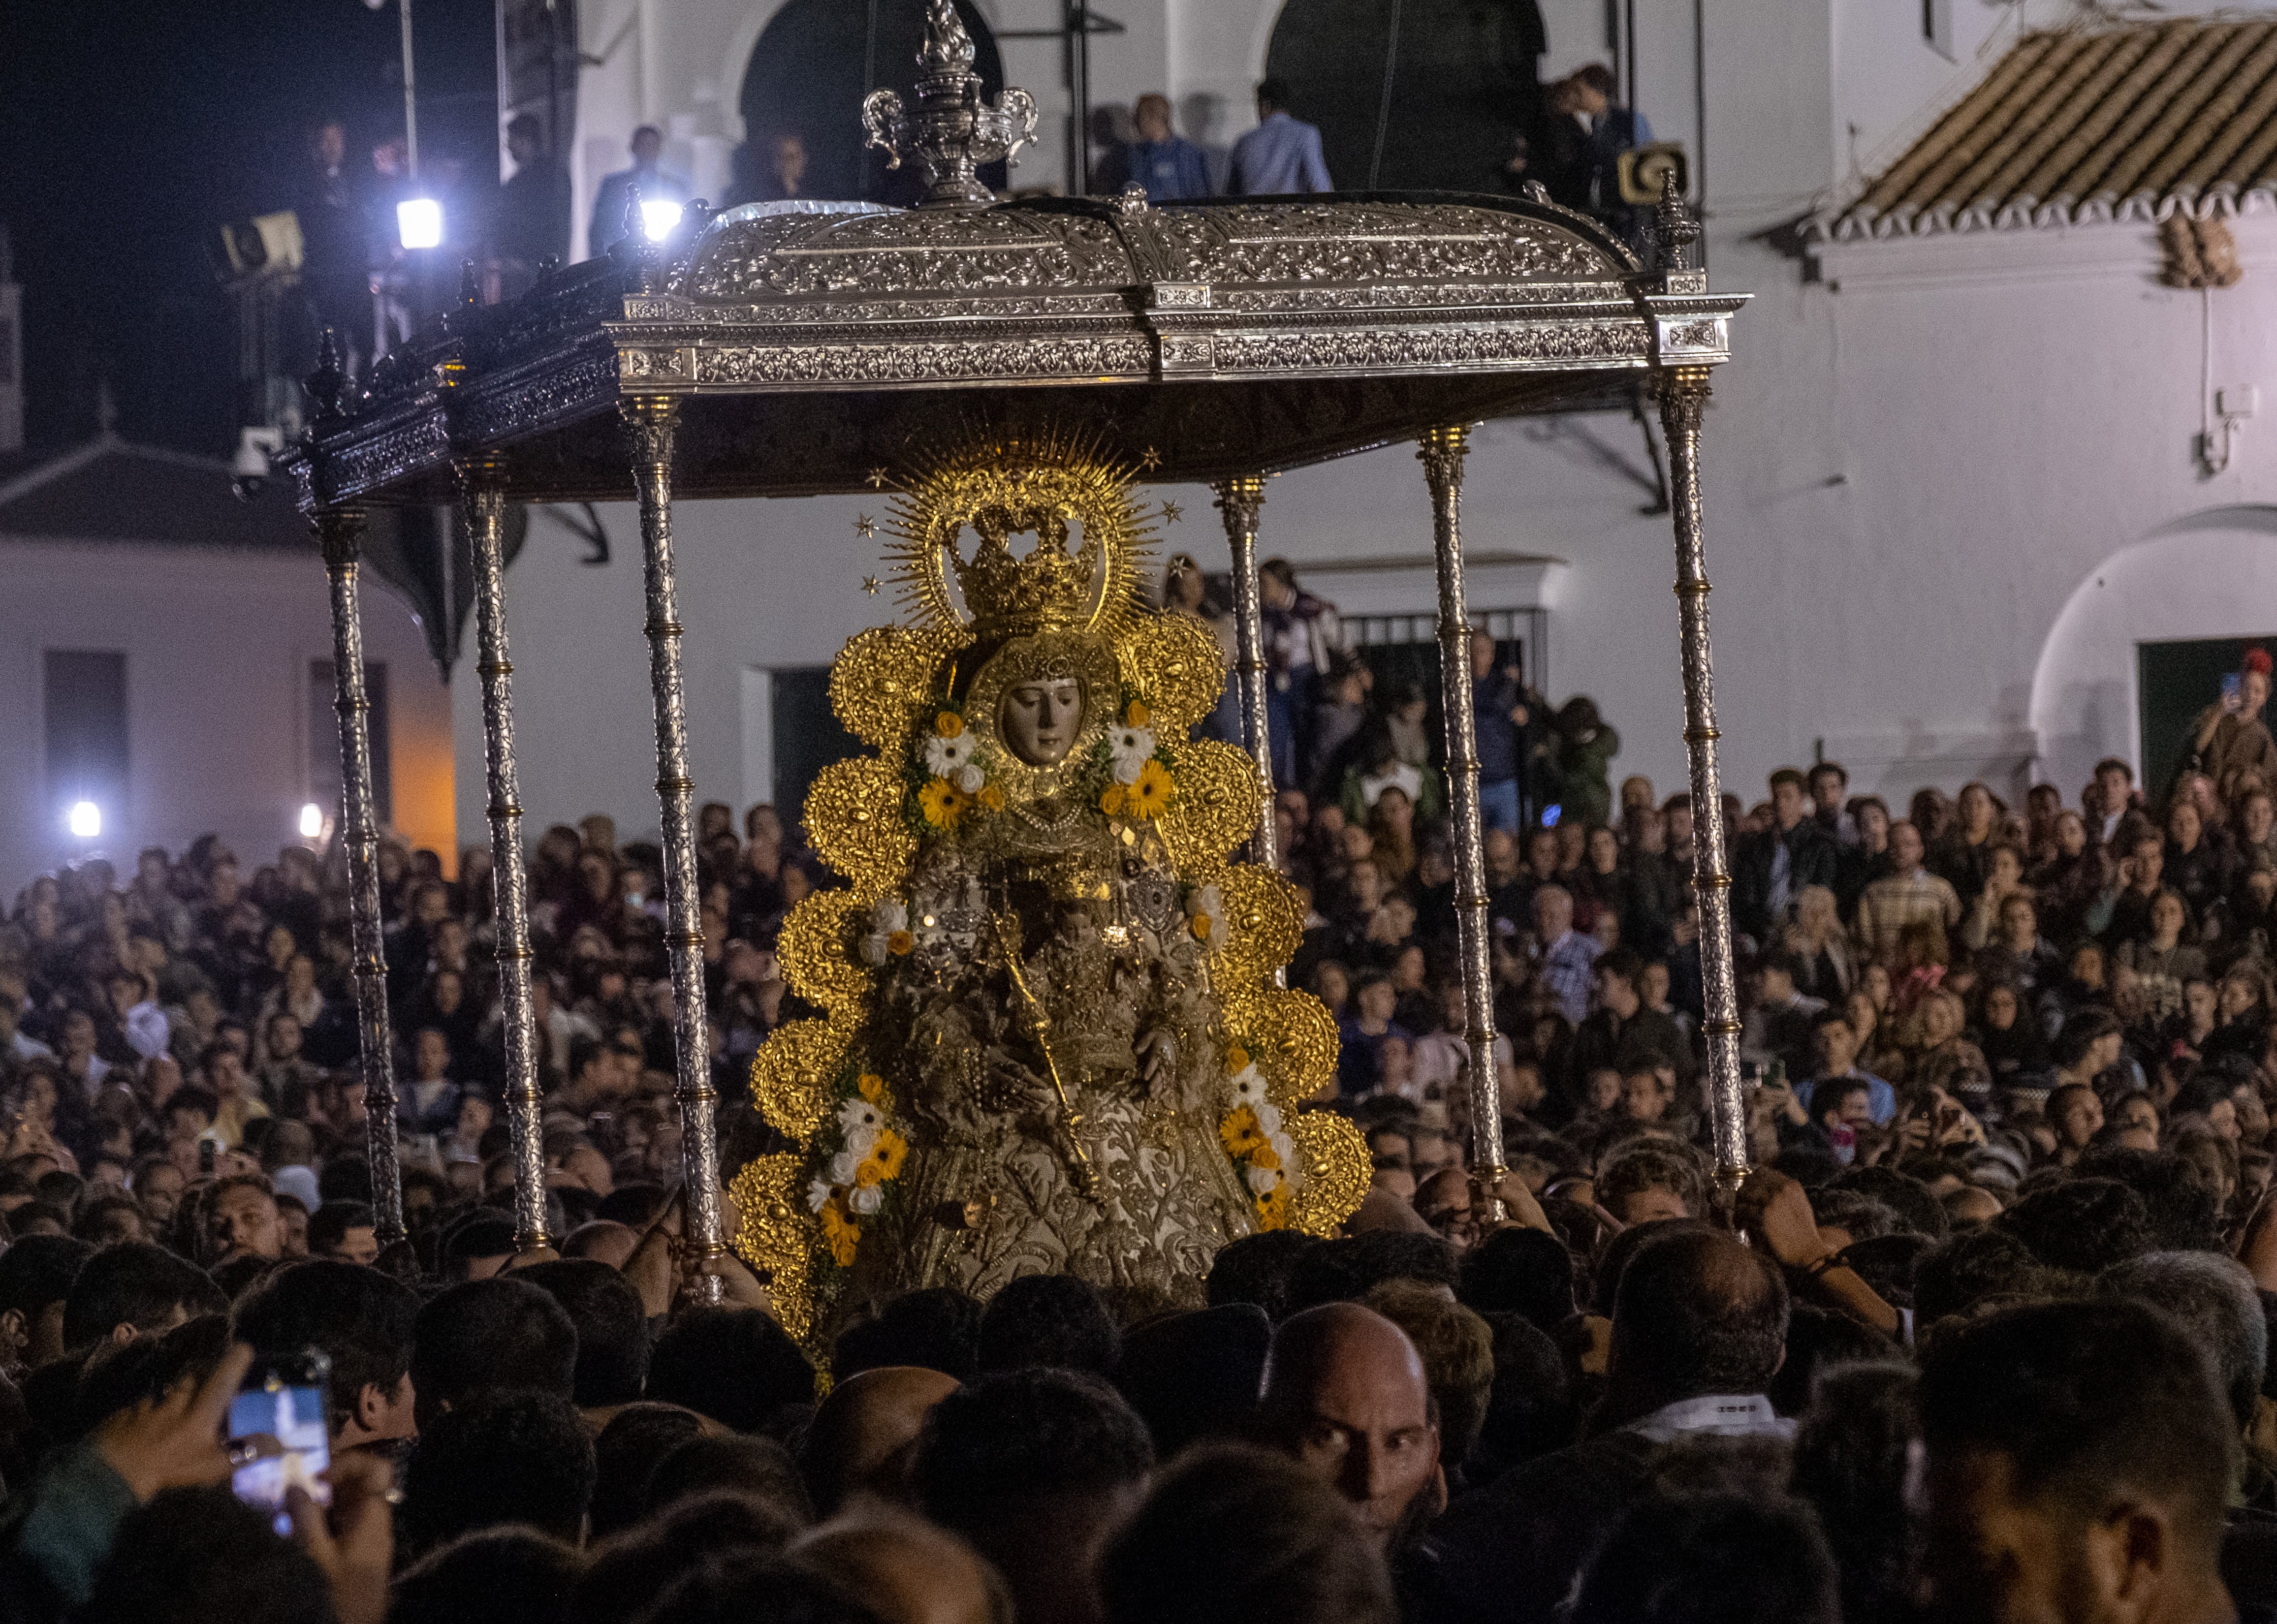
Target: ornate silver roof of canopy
{"points": [[813, 343]]}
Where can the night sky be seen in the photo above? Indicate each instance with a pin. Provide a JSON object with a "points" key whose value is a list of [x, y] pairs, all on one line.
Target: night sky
{"points": [[131, 129]]}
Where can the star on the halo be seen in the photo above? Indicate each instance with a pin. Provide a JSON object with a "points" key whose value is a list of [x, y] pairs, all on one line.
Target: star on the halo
{"points": [[1151, 460], [1172, 513], [871, 584], [864, 525], [878, 479]]}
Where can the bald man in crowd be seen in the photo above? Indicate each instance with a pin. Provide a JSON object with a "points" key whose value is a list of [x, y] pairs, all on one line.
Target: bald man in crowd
{"points": [[1346, 1393], [860, 1442]]}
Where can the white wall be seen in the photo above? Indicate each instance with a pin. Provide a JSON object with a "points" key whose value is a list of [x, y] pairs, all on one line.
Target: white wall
{"points": [[218, 649]]}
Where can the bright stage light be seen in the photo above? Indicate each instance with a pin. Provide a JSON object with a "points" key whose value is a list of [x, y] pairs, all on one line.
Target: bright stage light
{"points": [[419, 223], [312, 821], [85, 820], [658, 219]]}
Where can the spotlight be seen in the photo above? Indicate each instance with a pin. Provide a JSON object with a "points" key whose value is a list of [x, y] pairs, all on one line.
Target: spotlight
{"points": [[312, 821], [658, 219], [85, 820], [419, 223]]}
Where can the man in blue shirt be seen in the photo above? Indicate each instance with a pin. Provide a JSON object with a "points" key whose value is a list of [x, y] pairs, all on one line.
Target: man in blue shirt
{"points": [[1170, 166], [1279, 155], [1498, 717], [1838, 1062]]}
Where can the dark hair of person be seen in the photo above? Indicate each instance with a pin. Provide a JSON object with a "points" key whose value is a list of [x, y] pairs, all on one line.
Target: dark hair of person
{"points": [[1817, 1340], [136, 1284], [1710, 1559], [329, 1223], [361, 1318], [2213, 1297], [1347, 1268], [2185, 1210], [1518, 1271], [498, 1576], [1048, 1319], [756, 1468], [505, 1457], [937, 1328], [746, 1584], [2081, 1225], [612, 1326], [1696, 1313], [1530, 1408], [1652, 1163], [1851, 1455], [1956, 1274], [1457, 1348], [627, 1453], [1275, 93], [482, 1336], [190, 1556], [626, 1572], [1014, 1437], [1196, 1375], [1910, 1198], [1615, 1258], [2089, 1402], [1257, 1268], [738, 1366], [119, 1376], [1232, 1534], [38, 1270]]}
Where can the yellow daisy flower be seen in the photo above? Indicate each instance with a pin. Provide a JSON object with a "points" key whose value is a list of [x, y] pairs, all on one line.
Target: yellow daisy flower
{"points": [[941, 802], [1150, 797], [887, 1155], [843, 1232], [1273, 1207], [1240, 1135]]}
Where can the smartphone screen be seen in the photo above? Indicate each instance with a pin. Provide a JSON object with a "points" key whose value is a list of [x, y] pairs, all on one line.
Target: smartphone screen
{"points": [[2233, 691], [283, 1398]]}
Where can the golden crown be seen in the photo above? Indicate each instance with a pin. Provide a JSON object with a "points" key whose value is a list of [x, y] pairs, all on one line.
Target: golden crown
{"points": [[1046, 488]]}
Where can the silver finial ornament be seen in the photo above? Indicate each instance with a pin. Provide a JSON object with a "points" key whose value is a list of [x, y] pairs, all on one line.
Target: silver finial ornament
{"points": [[953, 131]]}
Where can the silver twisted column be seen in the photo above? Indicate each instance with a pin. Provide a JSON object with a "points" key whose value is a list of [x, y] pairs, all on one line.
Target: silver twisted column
{"points": [[1442, 454], [1239, 499], [1683, 402], [341, 532], [485, 504], [648, 418]]}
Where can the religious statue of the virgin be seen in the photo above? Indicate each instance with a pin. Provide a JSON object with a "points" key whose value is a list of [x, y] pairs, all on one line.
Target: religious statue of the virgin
{"points": [[1055, 1041]]}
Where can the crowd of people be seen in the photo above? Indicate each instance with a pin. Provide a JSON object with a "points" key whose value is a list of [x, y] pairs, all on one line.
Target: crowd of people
{"points": [[1984, 1334]]}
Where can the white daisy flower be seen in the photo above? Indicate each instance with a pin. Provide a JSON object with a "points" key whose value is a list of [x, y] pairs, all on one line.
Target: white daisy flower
{"points": [[866, 1199], [1264, 1180], [818, 1193], [943, 756], [857, 1116], [843, 1165], [1248, 1087], [970, 777], [1133, 748]]}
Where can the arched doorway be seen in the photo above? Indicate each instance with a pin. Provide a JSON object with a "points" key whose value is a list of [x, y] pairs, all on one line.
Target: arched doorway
{"points": [[1463, 84], [2202, 577], [811, 67]]}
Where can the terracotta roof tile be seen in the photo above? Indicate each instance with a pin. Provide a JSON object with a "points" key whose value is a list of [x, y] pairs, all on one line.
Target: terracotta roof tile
{"points": [[2127, 122]]}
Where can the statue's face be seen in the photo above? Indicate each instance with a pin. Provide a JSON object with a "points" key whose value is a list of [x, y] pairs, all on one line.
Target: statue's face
{"points": [[1040, 720]]}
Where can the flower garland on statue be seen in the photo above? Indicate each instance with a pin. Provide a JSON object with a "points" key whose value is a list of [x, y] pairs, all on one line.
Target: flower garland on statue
{"points": [[852, 1185], [957, 774], [1255, 1138], [1142, 786]]}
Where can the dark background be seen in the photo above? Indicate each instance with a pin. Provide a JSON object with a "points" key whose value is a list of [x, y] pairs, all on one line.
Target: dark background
{"points": [[130, 129]]}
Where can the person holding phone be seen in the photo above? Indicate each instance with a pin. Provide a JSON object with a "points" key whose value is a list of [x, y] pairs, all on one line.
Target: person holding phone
{"points": [[2229, 738]]}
